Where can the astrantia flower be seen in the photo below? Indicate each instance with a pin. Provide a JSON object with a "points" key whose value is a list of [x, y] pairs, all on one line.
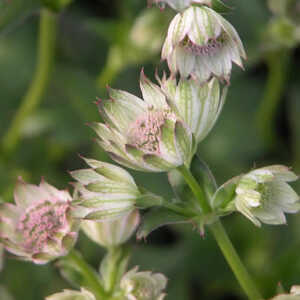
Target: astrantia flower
{"points": [[72, 295], [180, 4], [143, 135], [105, 191], [39, 227], [198, 106], [111, 233], [263, 195], [201, 43], [143, 285]]}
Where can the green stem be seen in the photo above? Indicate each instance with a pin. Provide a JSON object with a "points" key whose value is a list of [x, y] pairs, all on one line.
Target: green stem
{"points": [[90, 276], [196, 189], [179, 210], [278, 65], [234, 261], [46, 49], [222, 239]]}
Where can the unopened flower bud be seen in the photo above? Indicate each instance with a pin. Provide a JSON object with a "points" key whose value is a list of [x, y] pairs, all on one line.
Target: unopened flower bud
{"points": [[199, 106], [105, 191], [72, 295], [143, 135], [263, 195], [40, 226], [143, 285], [201, 44], [111, 233]]}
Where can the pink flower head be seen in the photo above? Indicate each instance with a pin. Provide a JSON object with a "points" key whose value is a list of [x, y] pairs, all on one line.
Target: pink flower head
{"points": [[146, 135], [39, 227]]}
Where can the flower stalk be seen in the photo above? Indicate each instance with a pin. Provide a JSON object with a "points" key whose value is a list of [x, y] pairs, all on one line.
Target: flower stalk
{"points": [[46, 47], [222, 239], [90, 276]]}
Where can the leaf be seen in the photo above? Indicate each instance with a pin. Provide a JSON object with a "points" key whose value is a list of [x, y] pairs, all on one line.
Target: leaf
{"points": [[158, 217], [224, 195], [78, 273], [204, 176]]}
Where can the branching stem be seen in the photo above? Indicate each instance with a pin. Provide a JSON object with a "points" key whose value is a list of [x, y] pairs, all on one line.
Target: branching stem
{"points": [[222, 239]]}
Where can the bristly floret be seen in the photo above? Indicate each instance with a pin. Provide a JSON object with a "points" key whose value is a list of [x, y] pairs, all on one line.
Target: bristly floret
{"points": [[145, 135], [39, 227]]}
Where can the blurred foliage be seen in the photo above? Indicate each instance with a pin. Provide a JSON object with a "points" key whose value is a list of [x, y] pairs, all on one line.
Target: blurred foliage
{"points": [[55, 133]]}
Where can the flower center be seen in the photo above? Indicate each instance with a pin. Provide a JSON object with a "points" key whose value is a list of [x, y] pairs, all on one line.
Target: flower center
{"points": [[41, 222], [210, 48], [145, 132]]}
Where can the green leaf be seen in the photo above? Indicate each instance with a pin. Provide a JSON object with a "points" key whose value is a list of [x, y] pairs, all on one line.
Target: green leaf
{"points": [[224, 195], [158, 217], [78, 273]]}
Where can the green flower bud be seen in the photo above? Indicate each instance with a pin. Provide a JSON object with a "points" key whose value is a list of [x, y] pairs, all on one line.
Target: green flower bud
{"points": [[105, 191], [293, 295], [201, 44], [264, 196], [112, 233], [199, 106], [143, 285], [282, 32], [72, 295], [40, 226]]}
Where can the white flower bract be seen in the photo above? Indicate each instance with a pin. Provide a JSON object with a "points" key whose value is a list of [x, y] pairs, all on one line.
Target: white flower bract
{"points": [[263, 195], [200, 43]]}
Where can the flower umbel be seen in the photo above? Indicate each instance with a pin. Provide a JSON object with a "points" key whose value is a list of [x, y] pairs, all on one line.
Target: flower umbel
{"points": [[143, 285], [39, 227], [112, 233], [143, 135], [264, 196], [201, 44]]}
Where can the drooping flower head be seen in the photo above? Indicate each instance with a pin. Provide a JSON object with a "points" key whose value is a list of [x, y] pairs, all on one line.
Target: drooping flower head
{"points": [[179, 4], [143, 135], [263, 195], [39, 227], [201, 44], [143, 285], [72, 295], [112, 233]]}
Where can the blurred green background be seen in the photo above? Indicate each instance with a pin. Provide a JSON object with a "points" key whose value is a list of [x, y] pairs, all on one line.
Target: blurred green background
{"points": [[95, 44]]}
